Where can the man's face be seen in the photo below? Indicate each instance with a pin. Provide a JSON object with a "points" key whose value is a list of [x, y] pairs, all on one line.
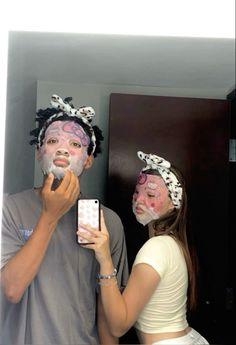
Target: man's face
{"points": [[151, 198], [64, 148]]}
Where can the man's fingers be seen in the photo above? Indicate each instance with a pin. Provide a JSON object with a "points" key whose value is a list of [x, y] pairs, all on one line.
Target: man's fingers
{"points": [[48, 183], [69, 184], [74, 186], [65, 181]]}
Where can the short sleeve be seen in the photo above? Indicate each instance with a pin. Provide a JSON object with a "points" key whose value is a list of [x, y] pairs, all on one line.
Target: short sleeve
{"points": [[154, 253], [11, 240]]}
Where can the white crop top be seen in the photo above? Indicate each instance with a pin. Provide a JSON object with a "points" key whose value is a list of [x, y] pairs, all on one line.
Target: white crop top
{"points": [[166, 309]]}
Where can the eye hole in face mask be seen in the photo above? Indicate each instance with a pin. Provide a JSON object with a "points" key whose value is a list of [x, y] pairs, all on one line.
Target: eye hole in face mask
{"points": [[52, 141], [151, 195], [76, 144]]}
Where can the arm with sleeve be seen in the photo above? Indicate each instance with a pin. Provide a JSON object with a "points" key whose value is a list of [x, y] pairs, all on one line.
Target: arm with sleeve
{"points": [[166, 310]]}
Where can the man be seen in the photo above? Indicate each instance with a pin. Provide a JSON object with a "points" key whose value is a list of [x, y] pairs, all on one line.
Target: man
{"points": [[48, 280]]}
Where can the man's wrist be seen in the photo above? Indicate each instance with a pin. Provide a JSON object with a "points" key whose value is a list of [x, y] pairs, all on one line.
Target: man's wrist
{"points": [[49, 221]]}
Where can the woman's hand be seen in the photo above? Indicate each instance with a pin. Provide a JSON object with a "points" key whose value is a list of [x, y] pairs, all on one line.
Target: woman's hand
{"points": [[99, 240]]}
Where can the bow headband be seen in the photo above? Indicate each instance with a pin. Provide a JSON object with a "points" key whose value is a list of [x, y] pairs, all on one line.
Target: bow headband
{"points": [[163, 167], [83, 113]]}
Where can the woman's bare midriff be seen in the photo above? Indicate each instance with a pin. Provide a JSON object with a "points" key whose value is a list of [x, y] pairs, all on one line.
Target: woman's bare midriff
{"points": [[149, 338]]}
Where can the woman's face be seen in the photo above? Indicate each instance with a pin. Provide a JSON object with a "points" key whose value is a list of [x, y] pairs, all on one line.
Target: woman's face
{"points": [[151, 198], [64, 148]]}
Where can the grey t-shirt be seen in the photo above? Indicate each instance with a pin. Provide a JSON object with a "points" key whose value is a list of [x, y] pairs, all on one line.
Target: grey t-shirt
{"points": [[59, 305]]}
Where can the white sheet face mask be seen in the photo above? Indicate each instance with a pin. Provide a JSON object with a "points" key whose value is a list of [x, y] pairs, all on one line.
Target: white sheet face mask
{"points": [[64, 148], [147, 215], [150, 199]]}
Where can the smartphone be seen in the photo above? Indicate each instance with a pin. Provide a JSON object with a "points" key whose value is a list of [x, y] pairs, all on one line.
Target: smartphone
{"points": [[88, 212]]}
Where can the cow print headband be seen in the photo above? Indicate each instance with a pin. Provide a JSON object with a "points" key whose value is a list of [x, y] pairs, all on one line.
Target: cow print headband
{"points": [[83, 113], [154, 162]]}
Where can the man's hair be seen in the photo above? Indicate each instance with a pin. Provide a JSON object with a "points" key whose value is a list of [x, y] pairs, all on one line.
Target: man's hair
{"points": [[42, 117]]}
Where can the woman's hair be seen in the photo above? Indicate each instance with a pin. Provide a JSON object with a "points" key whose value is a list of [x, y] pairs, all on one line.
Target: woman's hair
{"points": [[44, 114], [174, 223]]}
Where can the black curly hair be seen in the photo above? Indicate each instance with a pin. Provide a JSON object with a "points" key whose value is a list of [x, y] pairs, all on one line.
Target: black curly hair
{"points": [[42, 117]]}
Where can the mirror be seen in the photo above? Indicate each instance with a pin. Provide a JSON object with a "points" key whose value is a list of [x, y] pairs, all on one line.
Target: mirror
{"points": [[89, 68]]}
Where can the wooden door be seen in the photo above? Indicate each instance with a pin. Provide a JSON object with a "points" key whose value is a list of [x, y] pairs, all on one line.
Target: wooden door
{"points": [[192, 134]]}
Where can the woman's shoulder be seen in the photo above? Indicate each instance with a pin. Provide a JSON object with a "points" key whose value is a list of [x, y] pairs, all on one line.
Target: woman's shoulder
{"points": [[161, 240], [160, 244], [156, 252]]}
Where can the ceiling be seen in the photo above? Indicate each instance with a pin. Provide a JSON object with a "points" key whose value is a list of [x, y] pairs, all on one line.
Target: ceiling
{"points": [[174, 62]]}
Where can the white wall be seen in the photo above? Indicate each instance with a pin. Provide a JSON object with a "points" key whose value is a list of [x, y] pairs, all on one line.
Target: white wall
{"points": [[19, 155], [97, 95]]}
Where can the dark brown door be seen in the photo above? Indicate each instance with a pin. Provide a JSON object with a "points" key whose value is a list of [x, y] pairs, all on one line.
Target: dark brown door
{"points": [[192, 134]]}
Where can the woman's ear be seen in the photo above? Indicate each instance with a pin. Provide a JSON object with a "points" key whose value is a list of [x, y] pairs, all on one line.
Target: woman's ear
{"points": [[89, 162]]}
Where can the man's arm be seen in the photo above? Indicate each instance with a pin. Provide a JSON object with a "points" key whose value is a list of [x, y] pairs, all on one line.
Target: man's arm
{"points": [[21, 269], [105, 337]]}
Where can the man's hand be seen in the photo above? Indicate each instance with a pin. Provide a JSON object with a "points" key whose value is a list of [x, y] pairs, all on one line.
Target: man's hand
{"points": [[57, 202], [21, 269]]}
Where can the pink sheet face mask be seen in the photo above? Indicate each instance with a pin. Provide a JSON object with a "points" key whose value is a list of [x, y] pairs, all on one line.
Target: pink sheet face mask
{"points": [[151, 198], [64, 148]]}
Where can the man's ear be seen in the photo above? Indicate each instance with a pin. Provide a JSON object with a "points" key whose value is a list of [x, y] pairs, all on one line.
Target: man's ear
{"points": [[89, 162]]}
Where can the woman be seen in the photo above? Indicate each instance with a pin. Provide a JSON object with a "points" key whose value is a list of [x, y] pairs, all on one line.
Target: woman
{"points": [[162, 280]]}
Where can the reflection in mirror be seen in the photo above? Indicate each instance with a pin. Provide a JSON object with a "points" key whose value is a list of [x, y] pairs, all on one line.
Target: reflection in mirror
{"points": [[91, 67]]}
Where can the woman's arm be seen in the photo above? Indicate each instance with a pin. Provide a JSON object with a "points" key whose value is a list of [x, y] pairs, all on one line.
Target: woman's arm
{"points": [[121, 310], [105, 336]]}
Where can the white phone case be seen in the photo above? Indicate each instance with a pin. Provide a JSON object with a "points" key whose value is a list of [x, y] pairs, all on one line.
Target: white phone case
{"points": [[88, 213]]}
